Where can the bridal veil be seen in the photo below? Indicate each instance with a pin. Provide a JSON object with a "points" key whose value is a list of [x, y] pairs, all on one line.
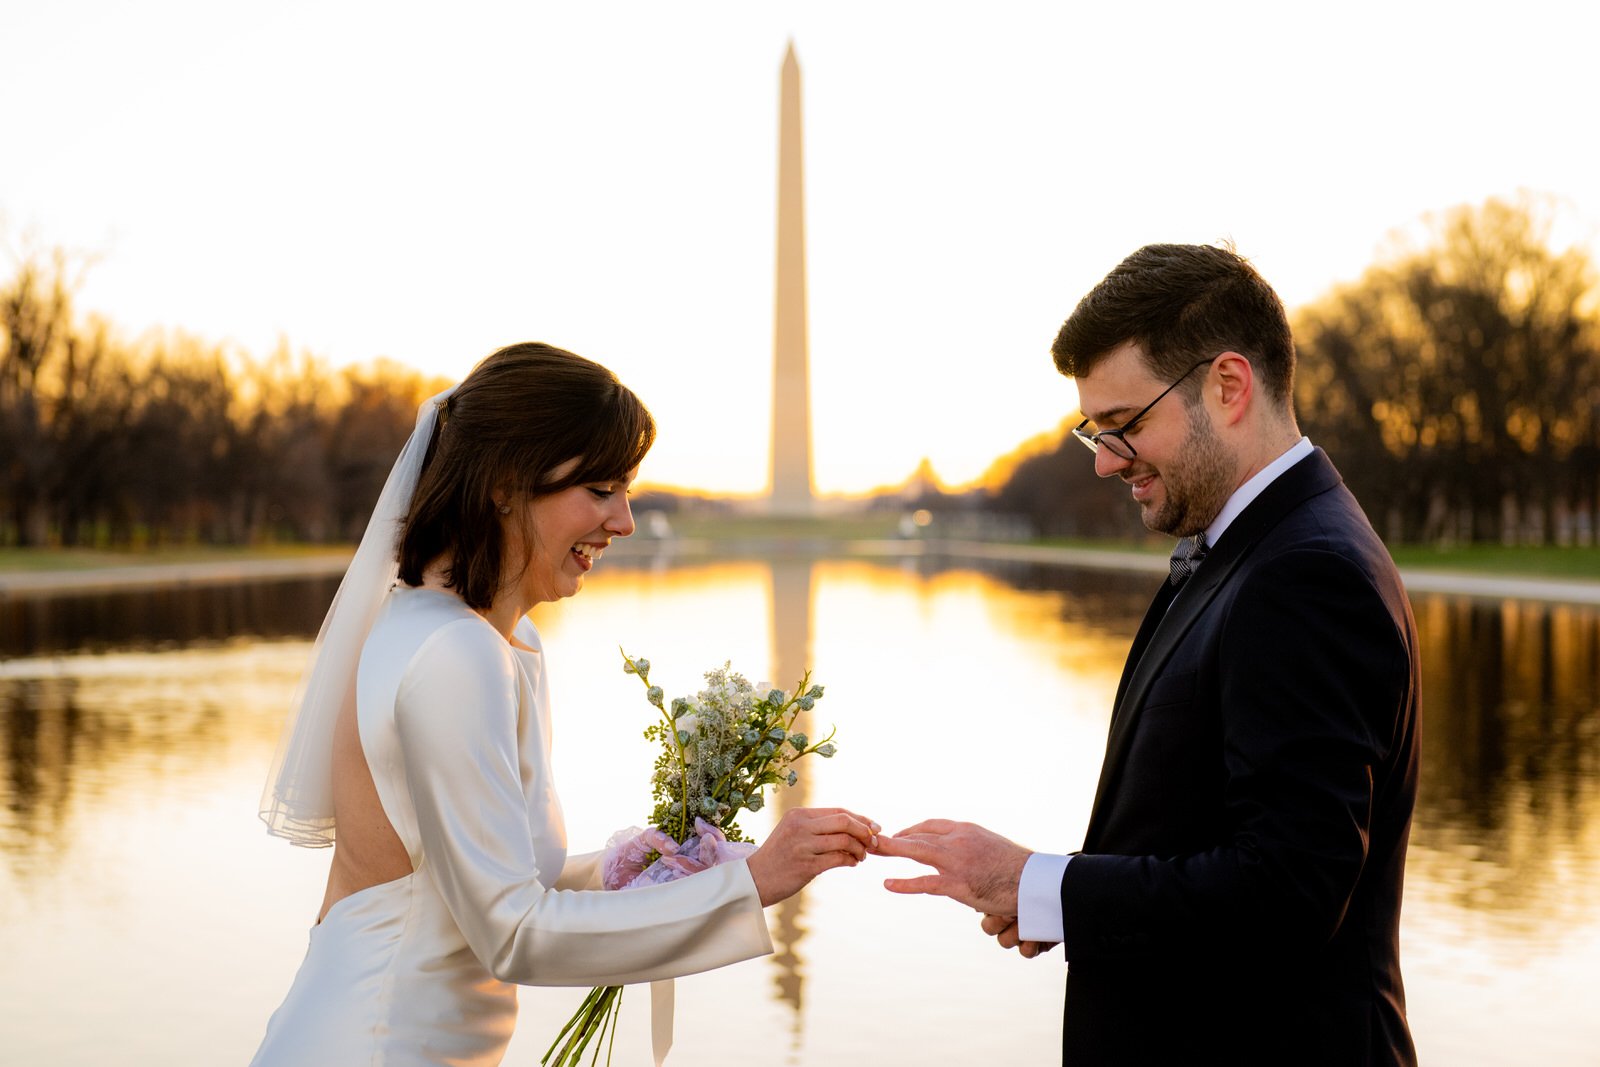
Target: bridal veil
{"points": [[297, 802]]}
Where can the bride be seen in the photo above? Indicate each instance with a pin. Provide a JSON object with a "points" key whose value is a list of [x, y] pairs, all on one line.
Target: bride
{"points": [[422, 733]]}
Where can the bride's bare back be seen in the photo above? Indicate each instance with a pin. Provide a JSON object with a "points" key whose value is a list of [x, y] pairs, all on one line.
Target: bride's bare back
{"points": [[367, 851]]}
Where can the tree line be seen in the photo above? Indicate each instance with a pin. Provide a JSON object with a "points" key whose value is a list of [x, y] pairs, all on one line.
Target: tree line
{"points": [[1456, 384], [168, 439]]}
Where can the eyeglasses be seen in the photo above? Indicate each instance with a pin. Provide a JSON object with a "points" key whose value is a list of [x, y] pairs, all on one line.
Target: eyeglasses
{"points": [[1116, 441]]}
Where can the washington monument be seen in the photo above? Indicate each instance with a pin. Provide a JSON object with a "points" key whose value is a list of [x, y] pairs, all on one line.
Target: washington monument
{"points": [[791, 378]]}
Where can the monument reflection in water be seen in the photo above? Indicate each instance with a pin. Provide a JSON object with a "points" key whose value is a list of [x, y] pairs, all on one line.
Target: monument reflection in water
{"points": [[791, 658], [148, 920]]}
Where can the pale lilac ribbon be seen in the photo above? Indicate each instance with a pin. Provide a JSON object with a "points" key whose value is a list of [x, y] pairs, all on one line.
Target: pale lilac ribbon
{"points": [[624, 867]]}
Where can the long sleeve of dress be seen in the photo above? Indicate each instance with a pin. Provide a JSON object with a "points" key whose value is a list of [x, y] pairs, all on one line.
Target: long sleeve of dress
{"points": [[456, 719], [581, 872]]}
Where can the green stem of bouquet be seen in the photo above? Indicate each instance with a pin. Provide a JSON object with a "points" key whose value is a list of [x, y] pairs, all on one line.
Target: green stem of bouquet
{"points": [[722, 783], [677, 746], [599, 1010], [610, 1022], [683, 775], [616, 1017]]}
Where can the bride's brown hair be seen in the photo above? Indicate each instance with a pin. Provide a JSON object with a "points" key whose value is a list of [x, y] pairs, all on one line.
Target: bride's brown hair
{"points": [[519, 415]]}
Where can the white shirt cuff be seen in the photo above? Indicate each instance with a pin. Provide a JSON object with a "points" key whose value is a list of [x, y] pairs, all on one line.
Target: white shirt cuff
{"points": [[1039, 899]]}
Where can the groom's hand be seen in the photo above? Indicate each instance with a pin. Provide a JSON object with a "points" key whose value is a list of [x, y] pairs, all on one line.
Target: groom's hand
{"points": [[1003, 929], [978, 867]]}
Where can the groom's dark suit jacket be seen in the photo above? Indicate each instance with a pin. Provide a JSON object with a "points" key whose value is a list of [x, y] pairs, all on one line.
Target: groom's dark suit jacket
{"points": [[1237, 898]]}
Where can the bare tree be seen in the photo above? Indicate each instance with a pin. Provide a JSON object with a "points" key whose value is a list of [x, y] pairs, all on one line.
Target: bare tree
{"points": [[1458, 383], [174, 439]]}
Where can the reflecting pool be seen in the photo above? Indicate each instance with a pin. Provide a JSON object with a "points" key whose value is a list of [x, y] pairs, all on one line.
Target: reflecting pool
{"points": [[147, 919]]}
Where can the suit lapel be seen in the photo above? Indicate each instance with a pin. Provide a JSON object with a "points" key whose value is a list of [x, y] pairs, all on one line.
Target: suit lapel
{"points": [[1173, 618], [1169, 619], [1141, 640]]}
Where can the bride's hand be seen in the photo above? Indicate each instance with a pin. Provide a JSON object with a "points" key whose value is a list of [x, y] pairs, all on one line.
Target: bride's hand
{"points": [[806, 842]]}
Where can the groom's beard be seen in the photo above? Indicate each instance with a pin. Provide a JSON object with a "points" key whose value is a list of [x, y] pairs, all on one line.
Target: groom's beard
{"points": [[1195, 483]]}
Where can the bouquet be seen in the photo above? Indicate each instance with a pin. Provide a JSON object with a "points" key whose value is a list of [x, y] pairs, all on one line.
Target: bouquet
{"points": [[718, 753]]}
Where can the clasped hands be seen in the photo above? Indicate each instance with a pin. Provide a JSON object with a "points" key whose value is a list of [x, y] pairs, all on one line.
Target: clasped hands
{"points": [[975, 866]]}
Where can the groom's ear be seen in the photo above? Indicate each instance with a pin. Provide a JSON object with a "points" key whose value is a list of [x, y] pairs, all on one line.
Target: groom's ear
{"points": [[1230, 388]]}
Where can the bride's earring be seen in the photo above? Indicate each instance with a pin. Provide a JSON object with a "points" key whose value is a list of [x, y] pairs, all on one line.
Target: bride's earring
{"points": [[505, 509]]}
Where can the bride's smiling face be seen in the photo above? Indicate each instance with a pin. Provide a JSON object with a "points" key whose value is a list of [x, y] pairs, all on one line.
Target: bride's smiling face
{"points": [[566, 532]]}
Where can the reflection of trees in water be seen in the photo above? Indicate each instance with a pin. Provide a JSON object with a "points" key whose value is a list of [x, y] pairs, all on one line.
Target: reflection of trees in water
{"points": [[1508, 818], [791, 639], [1508, 821], [156, 618], [77, 731], [82, 732], [1104, 602], [51, 746], [39, 738]]}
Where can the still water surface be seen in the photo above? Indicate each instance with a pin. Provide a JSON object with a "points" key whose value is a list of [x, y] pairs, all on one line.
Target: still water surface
{"points": [[146, 919]]}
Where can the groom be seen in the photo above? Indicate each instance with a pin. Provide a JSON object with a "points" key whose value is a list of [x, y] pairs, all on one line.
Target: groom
{"points": [[1237, 896]]}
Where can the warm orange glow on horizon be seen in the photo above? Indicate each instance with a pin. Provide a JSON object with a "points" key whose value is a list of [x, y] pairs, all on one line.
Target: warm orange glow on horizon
{"points": [[614, 193]]}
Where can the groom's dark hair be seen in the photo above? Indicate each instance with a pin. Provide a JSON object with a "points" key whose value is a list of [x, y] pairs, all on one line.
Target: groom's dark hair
{"points": [[1181, 304], [520, 414]]}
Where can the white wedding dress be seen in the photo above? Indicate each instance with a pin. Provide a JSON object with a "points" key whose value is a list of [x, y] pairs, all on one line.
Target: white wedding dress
{"points": [[420, 972]]}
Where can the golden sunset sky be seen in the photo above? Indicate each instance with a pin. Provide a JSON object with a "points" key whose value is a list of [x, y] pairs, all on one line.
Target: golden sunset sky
{"points": [[428, 182]]}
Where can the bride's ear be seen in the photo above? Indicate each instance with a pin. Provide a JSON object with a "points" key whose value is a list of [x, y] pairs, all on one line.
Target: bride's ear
{"points": [[504, 497]]}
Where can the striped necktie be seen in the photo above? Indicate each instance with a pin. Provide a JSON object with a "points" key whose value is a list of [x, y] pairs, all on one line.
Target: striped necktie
{"points": [[1186, 558]]}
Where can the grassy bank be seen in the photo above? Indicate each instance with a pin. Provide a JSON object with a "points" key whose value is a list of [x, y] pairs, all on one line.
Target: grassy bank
{"points": [[1526, 561], [85, 559], [1534, 561]]}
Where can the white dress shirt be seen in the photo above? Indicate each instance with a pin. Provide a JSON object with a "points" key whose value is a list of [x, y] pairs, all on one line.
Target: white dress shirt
{"points": [[1039, 915]]}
